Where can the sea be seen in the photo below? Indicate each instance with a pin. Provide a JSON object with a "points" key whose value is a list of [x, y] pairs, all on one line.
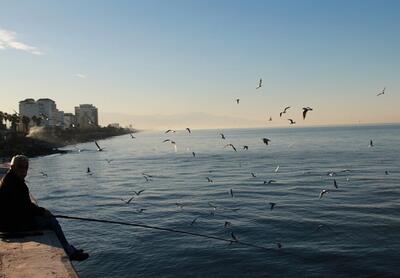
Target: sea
{"points": [[335, 195]]}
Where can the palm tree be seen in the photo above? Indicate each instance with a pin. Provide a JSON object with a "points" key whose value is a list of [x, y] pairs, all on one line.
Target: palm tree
{"points": [[2, 126], [14, 119], [25, 123], [37, 120]]}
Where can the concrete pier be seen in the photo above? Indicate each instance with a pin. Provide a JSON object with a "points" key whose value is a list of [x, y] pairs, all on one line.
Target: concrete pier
{"points": [[34, 255]]}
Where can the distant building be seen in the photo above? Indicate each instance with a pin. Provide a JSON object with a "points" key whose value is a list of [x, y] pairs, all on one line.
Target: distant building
{"points": [[43, 108], [69, 120], [115, 125], [86, 116]]}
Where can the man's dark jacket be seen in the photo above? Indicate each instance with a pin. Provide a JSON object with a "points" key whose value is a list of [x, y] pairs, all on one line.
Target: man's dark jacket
{"points": [[16, 207]]}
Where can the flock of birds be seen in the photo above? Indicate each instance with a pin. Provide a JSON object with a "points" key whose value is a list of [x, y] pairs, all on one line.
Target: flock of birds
{"points": [[266, 141]]}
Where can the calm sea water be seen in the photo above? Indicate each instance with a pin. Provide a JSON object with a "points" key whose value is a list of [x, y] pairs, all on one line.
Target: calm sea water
{"points": [[360, 235]]}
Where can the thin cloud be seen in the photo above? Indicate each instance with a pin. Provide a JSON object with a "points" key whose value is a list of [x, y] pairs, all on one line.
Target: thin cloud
{"points": [[80, 75], [8, 40]]}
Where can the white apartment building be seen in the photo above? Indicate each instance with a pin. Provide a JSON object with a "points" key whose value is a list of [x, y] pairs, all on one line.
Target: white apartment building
{"points": [[44, 108], [86, 116]]}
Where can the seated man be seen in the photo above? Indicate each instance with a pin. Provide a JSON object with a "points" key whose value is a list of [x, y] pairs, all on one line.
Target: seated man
{"points": [[19, 213]]}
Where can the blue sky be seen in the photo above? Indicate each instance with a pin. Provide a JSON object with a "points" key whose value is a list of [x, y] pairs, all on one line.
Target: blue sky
{"points": [[166, 58]]}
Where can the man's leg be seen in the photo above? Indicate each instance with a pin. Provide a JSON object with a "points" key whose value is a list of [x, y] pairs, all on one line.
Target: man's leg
{"points": [[51, 223]]}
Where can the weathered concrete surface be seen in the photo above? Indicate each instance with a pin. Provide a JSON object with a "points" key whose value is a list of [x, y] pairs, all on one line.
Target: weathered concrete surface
{"points": [[34, 256]]}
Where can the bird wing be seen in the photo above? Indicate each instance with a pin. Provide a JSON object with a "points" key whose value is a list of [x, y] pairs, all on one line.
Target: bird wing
{"points": [[97, 144]]}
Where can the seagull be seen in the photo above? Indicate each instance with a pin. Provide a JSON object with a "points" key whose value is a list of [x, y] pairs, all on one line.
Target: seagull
{"points": [[98, 147], [331, 174], [194, 154], [305, 110], [276, 169], [284, 111], [279, 245], [386, 172], [266, 141], [227, 224], [138, 192], [127, 202], [109, 160], [323, 192], [88, 170], [269, 182], [291, 121], [371, 144], [235, 239], [259, 84], [170, 130], [383, 92], [272, 205], [44, 174], [140, 210], [209, 180], [222, 135], [237, 101], [270, 119], [230, 145], [253, 175], [179, 205], [169, 140], [147, 175], [147, 178], [245, 147], [188, 129], [335, 183], [194, 220], [231, 192], [133, 137]]}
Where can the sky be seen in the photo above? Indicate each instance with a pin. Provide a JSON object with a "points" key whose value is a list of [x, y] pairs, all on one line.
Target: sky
{"points": [[172, 64]]}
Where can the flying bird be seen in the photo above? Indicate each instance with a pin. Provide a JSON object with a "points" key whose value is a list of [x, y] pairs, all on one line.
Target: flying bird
{"points": [[188, 129], [147, 178], [222, 135], [335, 183], [231, 192], [323, 192], [180, 205], [266, 141], [133, 137], [371, 144], [253, 175], [230, 145], [291, 121], [270, 119], [194, 220], [98, 147], [44, 174], [227, 224], [194, 154], [305, 110], [381, 93], [259, 84], [138, 192], [386, 172], [276, 169], [279, 245], [170, 130], [235, 239], [127, 202], [237, 101], [284, 111], [245, 147], [88, 170], [209, 180], [272, 205], [269, 182]]}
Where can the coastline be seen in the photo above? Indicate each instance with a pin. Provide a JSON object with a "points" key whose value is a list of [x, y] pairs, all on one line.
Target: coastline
{"points": [[49, 141]]}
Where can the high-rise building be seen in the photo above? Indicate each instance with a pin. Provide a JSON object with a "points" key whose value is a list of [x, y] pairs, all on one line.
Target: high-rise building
{"points": [[86, 116], [43, 108]]}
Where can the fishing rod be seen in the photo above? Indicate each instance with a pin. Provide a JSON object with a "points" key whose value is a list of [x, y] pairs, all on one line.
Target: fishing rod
{"points": [[161, 229]]}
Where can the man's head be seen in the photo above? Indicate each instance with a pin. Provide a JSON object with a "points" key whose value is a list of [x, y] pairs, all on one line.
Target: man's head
{"points": [[20, 165]]}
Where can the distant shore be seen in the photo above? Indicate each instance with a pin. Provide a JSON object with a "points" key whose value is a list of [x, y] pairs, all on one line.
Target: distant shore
{"points": [[46, 141]]}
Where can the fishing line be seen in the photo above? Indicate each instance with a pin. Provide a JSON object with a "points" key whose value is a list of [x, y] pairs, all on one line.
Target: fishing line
{"points": [[161, 229]]}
